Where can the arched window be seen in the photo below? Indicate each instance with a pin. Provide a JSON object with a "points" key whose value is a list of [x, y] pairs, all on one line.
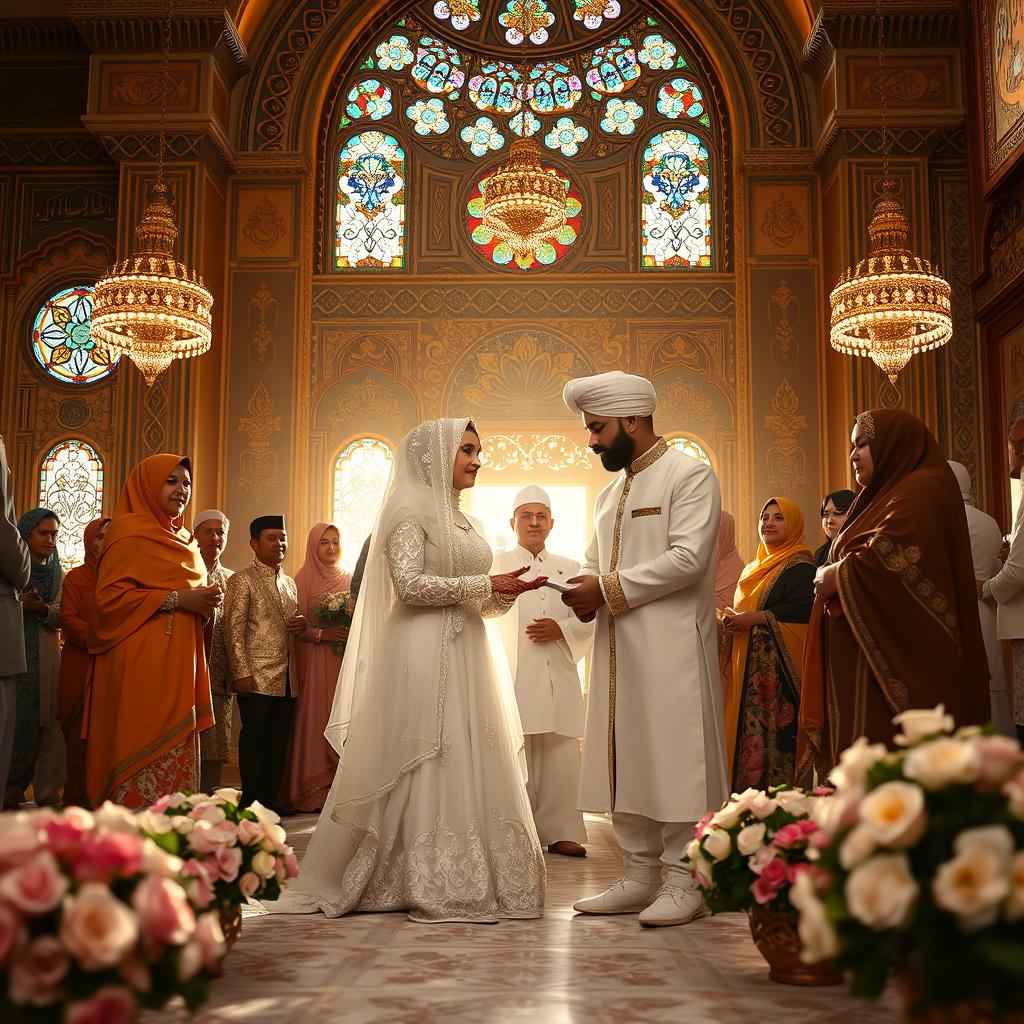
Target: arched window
{"points": [[71, 484], [676, 223], [361, 473], [62, 341], [689, 446], [371, 198]]}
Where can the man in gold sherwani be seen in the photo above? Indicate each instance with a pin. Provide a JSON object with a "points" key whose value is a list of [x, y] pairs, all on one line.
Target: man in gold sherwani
{"points": [[260, 626], [654, 746]]}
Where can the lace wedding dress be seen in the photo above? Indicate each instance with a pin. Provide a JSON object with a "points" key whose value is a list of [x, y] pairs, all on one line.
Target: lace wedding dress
{"points": [[428, 812]]}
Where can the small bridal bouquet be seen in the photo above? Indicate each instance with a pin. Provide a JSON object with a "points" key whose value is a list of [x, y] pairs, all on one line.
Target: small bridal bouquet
{"points": [[335, 609]]}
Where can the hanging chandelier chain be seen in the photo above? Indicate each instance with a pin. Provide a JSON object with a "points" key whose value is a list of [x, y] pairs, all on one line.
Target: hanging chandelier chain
{"points": [[164, 84], [883, 93]]}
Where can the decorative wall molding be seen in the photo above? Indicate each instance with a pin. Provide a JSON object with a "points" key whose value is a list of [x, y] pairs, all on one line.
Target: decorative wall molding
{"points": [[944, 141], [615, 297], [40, 35], [203, 143], [65, 148]]}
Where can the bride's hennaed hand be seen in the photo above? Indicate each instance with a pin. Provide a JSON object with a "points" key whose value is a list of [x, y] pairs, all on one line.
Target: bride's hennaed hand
{"points": [[510, 585]]}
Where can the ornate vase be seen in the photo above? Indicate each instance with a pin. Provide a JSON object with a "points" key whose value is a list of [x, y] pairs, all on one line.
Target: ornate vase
{"points": [[231, 924], [917, 1010], [776, 938]]}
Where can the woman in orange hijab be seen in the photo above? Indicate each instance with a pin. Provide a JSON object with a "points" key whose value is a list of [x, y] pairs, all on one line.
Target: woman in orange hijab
{"points": [[149, 690], [79, 587], [767, 626]]}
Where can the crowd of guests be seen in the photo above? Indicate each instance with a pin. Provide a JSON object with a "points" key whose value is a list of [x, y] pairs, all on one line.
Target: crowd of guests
{"points": [[119, 679]]}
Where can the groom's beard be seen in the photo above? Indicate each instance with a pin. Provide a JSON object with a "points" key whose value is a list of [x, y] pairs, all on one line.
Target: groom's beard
{"points": [[619, 454]]}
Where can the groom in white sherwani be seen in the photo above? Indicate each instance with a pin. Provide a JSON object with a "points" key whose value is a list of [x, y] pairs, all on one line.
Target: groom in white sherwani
{"points": [[654, 746], [543, 643]]}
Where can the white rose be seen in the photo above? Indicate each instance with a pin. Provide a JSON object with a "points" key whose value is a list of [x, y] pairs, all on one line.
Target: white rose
{"points": [[228, 795], [729, 815], [716, 843], [158, 824], [210, 812], [189, 961], [854, 763], [792, 801], [157, 861], [97, 927], [881, 892], [838, 811], [693, 849], [976, 880], [703, 871], [894, 813], [264, 815], [858, 844], [1015, 901], [115, 817], [942, 762], [762, 805], [751, 838], [182, 824], [818, 939], [920, 722], [264, 864]]}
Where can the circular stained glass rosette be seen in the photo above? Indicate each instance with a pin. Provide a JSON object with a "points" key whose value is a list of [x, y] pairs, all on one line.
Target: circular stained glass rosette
{"points": [[545, 254], [62, 341]]}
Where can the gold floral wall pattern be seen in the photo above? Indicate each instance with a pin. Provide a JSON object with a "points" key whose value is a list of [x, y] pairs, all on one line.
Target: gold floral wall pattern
{"points": [[258, 464], [786, 457]]}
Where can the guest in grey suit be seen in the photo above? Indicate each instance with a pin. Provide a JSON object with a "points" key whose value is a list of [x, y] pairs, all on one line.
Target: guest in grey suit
{"points": [[15, 569]]}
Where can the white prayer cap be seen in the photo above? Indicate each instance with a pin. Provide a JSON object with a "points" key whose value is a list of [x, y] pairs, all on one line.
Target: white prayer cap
{"points": [[532, 495], [963, 478], [611, 394], [207, 514]]}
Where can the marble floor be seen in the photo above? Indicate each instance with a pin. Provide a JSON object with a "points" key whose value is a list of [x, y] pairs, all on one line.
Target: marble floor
{"points": [[562, 969]]}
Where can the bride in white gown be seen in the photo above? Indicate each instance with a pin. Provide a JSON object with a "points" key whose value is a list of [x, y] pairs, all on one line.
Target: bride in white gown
{"points": [[428, 812]]}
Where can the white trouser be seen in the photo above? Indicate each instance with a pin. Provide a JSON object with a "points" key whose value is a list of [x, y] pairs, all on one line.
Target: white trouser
{"points": [[8, 711], [648, 846], [553, 780], [51, 765]]}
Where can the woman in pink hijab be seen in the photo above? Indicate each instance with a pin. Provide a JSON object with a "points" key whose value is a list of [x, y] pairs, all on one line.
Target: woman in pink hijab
{"points": [[311, 759]]}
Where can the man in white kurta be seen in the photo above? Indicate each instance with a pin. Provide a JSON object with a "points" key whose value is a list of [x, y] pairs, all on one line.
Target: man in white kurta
{"points": [[654, 746], [543, 642]]}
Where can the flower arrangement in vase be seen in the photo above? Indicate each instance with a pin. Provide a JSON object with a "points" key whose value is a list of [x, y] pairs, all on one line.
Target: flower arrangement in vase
{"points": [[97, 920], [922, 873], [746, 856]]}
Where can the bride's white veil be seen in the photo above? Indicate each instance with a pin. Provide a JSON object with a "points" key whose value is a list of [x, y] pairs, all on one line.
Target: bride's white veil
{"points": [[388, 710]]}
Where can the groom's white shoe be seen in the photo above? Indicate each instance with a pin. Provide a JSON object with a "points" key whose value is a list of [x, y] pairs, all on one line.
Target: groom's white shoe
{"points": [[675, 904], [626, 896]]}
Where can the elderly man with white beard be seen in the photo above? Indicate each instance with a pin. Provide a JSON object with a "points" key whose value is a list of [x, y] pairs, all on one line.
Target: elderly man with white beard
{"points": [[543, 642], [654, 746]]}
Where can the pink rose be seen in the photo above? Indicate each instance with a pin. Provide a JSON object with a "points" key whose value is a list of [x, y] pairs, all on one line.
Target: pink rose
{"points": [[136, 973], [104, 855], [210, 939], [37, 973], [823, 791], [164, 912], [249, 831], [200, 884], [292, 864], [19, 839], [999, 758], [209, 811], [249, 883], [788, 835], [64, 835], [206, 837], [703, 824], [229, 860], [12, 933], [168, 800], [35, 887], [770, 881], [761, 859], [113, 1004], [97, 927]]}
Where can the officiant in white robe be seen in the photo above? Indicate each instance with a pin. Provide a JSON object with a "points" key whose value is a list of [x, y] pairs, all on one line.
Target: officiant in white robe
{"points": [[544, 642], [654, 746]]}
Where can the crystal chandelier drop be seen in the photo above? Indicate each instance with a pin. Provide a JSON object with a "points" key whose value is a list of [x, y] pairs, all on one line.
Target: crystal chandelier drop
{"points": [[524, 204], [893, 303], [150, 307]]}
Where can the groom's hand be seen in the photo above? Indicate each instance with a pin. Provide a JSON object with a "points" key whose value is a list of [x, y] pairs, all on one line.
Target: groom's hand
{"points": [[585, 598]]}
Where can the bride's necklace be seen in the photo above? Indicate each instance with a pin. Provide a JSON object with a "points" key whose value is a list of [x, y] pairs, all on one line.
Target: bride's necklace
{"points": [[465, 526]]}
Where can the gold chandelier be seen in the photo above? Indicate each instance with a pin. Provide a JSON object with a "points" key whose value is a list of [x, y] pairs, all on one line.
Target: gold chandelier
{"points": [[892, 304], [524, 204], [151, 307]]}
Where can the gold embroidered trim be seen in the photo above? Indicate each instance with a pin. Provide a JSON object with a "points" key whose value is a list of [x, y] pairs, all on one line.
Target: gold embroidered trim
{"points": [[617, 603], [649, 457], [130, 765], [638, 512], [867, 421]]}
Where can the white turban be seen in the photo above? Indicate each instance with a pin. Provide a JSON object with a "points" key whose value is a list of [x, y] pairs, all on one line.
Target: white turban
{"points": [[208, 514], [611, 394], [532, 495], [963, 478]]}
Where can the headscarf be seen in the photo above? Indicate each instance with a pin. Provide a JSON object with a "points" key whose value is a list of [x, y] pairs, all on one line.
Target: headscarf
{"points": [[611, 394], [315, 578], [729, 564], [45, 579], [146, 555], [905, 570], [92, 557], [963, 479], [842, 500]]}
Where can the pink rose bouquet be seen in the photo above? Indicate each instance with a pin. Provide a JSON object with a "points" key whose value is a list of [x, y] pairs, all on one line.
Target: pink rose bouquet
{"points": [[97, 920], [751, 851], [921, 869], [229, 853]]}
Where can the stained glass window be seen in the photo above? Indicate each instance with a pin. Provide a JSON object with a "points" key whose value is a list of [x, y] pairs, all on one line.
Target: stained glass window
{"points": [[461, 12], [495, 88], [554, 87], [438, 67], [360, 477], [680, 97], [71, 484], [689, 446], [546, 253], [526, 19], [371, 202], [61, 340], [613, 68], [369, 99], [676, 221], [594, 12]]}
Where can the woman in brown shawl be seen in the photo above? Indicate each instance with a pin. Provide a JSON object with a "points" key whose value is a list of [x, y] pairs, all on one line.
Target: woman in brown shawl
{"points": [[895, 621]]}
